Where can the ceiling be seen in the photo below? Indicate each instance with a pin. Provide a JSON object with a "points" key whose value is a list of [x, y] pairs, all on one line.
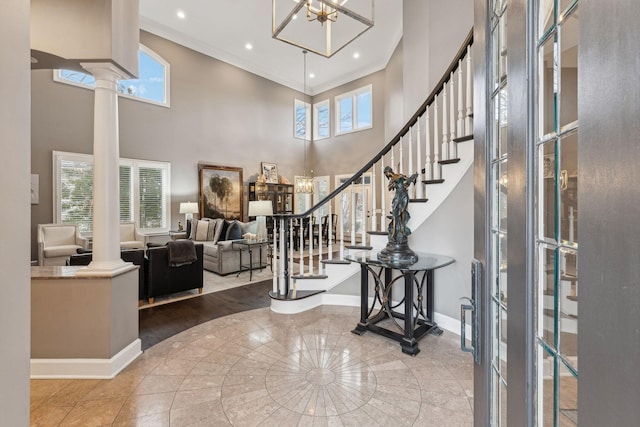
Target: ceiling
{"points": [[222, 28]]}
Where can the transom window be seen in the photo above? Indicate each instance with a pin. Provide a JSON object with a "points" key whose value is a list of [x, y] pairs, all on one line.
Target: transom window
{"points": [[144, 192], [152, 86], [302, 120], [354, 111], [321, 120]]}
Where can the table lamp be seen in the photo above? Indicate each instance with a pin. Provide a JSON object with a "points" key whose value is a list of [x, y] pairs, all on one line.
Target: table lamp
{"points": [[260, 209], [188, 209]]}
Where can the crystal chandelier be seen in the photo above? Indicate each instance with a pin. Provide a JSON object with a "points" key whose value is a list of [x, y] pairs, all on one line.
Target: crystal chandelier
{"points": [[326, 39]]}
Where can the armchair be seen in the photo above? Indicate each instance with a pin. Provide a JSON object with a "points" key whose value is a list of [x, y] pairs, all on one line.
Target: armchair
{"points": [[56, 242], [131, 237]]}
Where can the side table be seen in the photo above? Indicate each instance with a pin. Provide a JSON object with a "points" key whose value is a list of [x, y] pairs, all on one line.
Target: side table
{"points": [[416, 317], [250, 245], [177, 234]]}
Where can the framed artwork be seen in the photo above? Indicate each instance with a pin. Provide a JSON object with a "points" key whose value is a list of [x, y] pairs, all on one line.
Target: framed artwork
{"points": [[270, 170], [220, 191]]}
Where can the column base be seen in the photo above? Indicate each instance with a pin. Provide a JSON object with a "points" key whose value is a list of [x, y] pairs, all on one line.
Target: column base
{"points": [[105, 268]]}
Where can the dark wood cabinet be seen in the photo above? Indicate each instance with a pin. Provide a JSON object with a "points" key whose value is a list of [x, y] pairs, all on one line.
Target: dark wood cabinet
{"points": [[281, 196]]}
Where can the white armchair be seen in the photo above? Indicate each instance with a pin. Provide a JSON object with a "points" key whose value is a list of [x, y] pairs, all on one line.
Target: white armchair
{"points": [[131, 237], [57, 241]]}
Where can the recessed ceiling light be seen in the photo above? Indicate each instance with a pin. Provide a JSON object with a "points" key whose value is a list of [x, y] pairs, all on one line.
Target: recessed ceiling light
{"points": [[356, 55], [181, 14], [248, 46], [311, 75]]}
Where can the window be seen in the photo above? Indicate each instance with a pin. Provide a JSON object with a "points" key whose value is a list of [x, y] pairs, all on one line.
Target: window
{"points": [[151, 87], [302, 120], [354, 111], [321, 120], [144, 192]]}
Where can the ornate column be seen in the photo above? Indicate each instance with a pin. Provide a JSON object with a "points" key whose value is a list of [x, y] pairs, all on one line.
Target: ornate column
{"points": [[106, 153]]}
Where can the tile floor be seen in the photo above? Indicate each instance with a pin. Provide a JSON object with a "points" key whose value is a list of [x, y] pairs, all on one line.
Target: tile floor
{"points": [[262, 368]]}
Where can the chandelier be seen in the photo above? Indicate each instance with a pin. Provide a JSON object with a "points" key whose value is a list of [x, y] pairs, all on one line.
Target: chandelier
{"points": [[304, 184], [326, 39], [323, 14]]}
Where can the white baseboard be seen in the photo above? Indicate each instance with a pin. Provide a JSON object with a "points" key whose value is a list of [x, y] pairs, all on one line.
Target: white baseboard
{"points": [[86, 368]]}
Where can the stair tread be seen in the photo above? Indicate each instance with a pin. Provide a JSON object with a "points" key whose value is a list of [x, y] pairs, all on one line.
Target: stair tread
{"points": [[463, 138], [378, 233], [448, 162], [417, 201], [308, 276], [361, 247], [292, 296], [433, 181], [335, 261]]}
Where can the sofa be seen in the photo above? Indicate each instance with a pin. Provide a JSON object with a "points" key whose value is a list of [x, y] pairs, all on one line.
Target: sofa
{"points": [[217, 237], [135, 256], [162, 278]]}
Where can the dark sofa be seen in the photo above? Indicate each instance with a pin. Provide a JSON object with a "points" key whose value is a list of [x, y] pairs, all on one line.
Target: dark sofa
{"points": [[135, 256], [163, 279]]}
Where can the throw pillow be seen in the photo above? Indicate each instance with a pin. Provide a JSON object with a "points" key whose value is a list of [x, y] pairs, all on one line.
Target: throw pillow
{"points": [[192, 227], [224, 226], [234, 232], [217, 234], [249, 227], [202, 230], [211, 231]]}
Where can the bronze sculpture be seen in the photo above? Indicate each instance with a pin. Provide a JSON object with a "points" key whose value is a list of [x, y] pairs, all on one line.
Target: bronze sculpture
{"points": [[397, 251]]}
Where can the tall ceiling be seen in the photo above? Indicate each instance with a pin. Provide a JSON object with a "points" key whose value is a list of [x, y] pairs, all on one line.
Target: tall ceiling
{"points": [[222, 29]]}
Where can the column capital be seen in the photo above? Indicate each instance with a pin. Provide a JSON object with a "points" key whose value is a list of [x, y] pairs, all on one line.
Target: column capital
{"points": [[104, 71]]}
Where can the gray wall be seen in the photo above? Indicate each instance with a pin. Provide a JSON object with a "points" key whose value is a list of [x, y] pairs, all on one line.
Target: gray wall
{"points": [[14, 192], [432, 33], [219, 115], [347, 153]]}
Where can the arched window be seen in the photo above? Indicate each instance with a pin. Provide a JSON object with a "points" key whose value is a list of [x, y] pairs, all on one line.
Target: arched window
{"points": [[152, 86]]}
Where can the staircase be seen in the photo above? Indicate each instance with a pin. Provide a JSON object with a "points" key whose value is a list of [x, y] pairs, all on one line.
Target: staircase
{"points": [[436, 142]]}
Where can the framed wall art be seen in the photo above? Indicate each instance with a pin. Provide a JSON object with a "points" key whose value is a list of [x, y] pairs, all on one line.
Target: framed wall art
{"points": [[270, 170], [220, 192]]}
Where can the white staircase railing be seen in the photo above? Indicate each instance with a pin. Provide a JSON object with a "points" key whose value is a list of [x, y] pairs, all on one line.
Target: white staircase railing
{"points": [[305, 243]]}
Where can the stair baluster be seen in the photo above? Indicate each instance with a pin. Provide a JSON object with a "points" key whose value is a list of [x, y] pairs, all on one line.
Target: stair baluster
{"points": [[436, 141], [452, 119], [444, 151], [468, 120]]}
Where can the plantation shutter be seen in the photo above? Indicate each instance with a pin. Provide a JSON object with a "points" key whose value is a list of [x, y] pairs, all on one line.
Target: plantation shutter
{"points": [[76, 193], [126, 199], [151, 199]]}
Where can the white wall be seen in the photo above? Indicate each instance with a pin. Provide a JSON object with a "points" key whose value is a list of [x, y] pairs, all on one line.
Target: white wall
{"points": [[449, 231], [15, 103]]}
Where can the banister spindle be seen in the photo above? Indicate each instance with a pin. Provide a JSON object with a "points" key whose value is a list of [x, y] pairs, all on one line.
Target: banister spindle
{"points": [[363, 195], [310, 235], [353, 214], [401, 153], [436, 141], [274, 257], [330, 230], [374, 201], [468, 120], [383, 197], [452, 119], [460, 123], [427, 145], [410, 169], [444, 151], [419, 190]]}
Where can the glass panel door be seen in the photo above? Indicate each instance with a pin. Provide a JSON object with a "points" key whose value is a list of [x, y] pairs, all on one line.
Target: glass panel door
{"points": [[556, 311]]}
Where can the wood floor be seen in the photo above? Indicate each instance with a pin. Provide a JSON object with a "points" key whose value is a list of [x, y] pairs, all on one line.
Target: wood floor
{"points": [[159, 323]]}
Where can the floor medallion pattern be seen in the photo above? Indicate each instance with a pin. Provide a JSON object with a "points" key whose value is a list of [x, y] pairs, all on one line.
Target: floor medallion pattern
{"points": [[262, 368]]}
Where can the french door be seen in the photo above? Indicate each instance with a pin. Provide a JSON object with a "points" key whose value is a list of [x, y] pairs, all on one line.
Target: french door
{"points": [[526, 234]]}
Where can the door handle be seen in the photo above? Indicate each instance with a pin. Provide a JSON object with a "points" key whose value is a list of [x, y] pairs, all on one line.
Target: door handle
{"points": [[476, 275]]}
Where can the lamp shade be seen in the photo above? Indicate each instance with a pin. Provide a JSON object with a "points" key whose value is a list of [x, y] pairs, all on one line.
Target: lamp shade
{"points": [[188, 208], [260, 208]]}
